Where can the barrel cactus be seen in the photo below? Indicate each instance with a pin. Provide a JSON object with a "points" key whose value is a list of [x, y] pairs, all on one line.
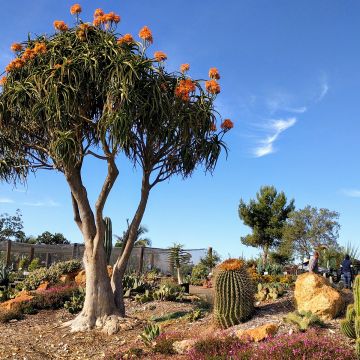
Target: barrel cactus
{"points": [[108, 238], [234, 293], [351, 325]]}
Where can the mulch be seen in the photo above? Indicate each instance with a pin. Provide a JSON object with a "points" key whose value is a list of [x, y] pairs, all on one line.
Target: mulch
{"points": [[42, 337]]}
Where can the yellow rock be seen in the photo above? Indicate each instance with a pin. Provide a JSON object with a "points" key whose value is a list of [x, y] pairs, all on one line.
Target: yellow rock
{"points": [[13, 303], [258, 333], [314, 293], [80, 278]]}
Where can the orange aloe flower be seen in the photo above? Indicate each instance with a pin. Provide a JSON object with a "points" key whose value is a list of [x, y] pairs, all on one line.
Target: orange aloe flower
{"points": [[39, 48], [57, 66], [212, 87], [184, 88], [184, 68], [84, 26], [214, 73], [28, 54], [112, 17], [16, 47], [160, 56], [126, 39], [227, 124], [60, 25], [146, 34], [75, 9], [3, 80], [98, 12], [15, 64], [213, 127]]}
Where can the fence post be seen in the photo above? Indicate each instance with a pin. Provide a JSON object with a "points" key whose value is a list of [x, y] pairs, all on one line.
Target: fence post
{"points": [[75, 251], [8, 253], [141, 260], [31, 256], [48, 259], [152, 260]]}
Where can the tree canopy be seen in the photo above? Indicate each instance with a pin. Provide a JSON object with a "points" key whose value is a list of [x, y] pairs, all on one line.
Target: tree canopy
{"points": [[311, 229], [11, 227], [266, 216]]}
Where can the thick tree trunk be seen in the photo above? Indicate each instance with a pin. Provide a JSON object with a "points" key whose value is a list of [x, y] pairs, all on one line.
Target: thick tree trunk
{"points": [[265, 254], [99, 307], [121, 263], [179, 275]]}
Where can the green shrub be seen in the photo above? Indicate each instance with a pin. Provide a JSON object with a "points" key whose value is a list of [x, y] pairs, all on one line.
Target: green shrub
{"points": [[52, 274], [23, 263], [76, 302], [199, 274], [34, 264]]}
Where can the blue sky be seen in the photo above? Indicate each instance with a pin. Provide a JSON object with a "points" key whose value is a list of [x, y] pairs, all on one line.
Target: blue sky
{"points": [[290, 82]]}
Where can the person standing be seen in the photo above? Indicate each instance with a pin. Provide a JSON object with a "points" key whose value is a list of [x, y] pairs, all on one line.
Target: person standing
{"points": [[346, 270], [314, 263]]}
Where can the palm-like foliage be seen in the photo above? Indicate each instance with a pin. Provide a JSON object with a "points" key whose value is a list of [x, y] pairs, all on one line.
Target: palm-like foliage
{"points": [[140, 239]]}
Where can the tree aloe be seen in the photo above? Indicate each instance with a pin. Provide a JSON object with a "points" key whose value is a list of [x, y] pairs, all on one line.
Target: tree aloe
{"points": [[88, 92]]}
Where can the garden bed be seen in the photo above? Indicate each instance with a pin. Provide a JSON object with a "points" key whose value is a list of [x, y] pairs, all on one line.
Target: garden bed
{"points": [[41, 336]]}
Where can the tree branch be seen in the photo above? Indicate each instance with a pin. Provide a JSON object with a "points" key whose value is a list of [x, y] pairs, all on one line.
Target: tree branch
{"points": [[77, 217]]}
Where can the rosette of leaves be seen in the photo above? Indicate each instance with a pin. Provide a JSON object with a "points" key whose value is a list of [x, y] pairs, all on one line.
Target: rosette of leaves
{"points": [[178, 257]]}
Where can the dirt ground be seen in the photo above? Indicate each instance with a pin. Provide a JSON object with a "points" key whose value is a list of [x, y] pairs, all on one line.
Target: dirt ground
{"points": [[41, 336]]}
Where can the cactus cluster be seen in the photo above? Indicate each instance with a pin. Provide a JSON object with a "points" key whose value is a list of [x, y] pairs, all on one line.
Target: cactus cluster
{"points": [[108, 238], [269, 291], [303, 319], [234, 293], [350, 326]]}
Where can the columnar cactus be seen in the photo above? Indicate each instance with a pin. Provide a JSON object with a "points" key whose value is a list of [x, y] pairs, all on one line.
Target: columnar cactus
{"points": [[234, 293], [351, 325], [108, 238]]}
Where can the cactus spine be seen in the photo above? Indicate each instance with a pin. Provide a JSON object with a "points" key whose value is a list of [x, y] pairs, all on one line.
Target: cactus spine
{"points": [[347, 328], [234, 294], [351, 325], [108, 238]]}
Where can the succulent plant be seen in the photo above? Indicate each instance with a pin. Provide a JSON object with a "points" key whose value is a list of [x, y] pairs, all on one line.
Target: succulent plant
{"points": [[347, 328], [303, 319], [351, 325], [234, 293], [108, 238]]}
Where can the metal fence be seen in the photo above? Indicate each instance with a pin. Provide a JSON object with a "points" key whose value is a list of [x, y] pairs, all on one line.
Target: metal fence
{"points": [[142, 258]]}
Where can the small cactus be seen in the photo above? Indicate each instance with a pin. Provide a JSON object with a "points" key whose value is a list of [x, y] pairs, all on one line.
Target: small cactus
{"points": [[108, 238], [234, 294], [347, 328], [357, 347], [350, 312]]}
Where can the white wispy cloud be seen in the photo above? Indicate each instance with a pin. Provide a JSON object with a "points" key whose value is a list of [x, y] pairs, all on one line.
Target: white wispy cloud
{"points": [[283, 101], [274, 129], [48, 203], [6, 201], [355, 193], [324, 88]]}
